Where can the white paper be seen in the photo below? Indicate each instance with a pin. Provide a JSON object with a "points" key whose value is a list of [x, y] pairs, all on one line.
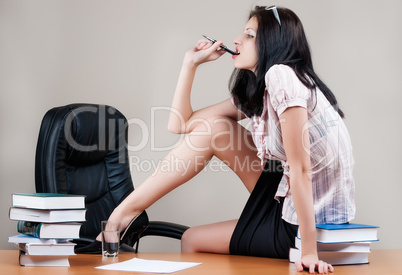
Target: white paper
{"points": [[151, 266]]}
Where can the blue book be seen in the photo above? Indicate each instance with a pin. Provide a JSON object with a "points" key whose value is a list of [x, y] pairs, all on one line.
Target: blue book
{"points": [[344, 226], [347, 232], [22, 238]]}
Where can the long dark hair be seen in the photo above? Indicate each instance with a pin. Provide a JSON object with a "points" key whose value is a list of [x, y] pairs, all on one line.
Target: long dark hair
{"points": [[276, 44]]}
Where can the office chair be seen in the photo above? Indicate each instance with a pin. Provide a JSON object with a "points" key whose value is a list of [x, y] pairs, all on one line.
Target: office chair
{"points": [[82, 149]]}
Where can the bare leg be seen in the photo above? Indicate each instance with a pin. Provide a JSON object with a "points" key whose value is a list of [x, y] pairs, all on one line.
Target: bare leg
{"points": [[213, 238], [220, 137]]}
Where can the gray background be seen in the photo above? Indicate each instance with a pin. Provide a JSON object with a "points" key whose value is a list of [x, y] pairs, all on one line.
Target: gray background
{"points": [[128, 54]]}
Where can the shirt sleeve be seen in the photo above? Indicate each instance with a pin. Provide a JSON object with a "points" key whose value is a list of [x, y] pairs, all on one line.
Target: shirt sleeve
{"points": [[285, 89]]}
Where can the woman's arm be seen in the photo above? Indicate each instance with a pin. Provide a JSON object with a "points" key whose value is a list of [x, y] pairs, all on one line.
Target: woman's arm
{"points": [[294, 125], [182, 114]]}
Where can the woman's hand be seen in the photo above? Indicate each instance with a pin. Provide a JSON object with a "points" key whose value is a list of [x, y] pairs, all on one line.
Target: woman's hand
{"points": [[312, 263], [203, 52]]}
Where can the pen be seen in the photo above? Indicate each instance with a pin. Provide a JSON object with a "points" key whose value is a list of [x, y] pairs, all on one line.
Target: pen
{"points": [[222, 46]]}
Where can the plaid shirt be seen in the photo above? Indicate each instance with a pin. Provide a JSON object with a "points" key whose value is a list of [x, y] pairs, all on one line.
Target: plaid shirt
{"points": [[330, 147]]}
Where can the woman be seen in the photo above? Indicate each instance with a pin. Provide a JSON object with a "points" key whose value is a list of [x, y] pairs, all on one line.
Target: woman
{"points": [[295, 120]]}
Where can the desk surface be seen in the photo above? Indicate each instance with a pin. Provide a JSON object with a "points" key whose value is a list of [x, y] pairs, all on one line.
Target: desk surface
{"points": [[381, 262]]}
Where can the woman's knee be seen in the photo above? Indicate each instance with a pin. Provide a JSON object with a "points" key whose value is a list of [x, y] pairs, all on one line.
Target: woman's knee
{"points": [[188, 241], [216, 133]]}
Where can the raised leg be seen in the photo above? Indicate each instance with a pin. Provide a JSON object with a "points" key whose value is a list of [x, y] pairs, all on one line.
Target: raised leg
{"points": [[220, 137]]}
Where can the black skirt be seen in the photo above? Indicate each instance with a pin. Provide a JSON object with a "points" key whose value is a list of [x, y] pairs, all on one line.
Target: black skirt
{"points": [[261, 231]]}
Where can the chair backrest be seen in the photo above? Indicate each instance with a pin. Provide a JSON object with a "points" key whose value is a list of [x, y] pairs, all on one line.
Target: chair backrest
{"points": [[82, 149]]}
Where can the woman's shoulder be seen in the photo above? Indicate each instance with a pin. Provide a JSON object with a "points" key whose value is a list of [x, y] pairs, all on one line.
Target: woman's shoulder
{"points": [[279, 71], [285, 89], [280, 75]]}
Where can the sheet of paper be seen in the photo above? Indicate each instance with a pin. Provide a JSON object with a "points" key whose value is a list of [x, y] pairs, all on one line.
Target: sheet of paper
{"points": [[151, 266]]}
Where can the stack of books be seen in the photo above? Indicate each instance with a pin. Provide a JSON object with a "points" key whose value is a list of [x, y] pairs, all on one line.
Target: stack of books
{"points": [[46, 223], [340, 244]]}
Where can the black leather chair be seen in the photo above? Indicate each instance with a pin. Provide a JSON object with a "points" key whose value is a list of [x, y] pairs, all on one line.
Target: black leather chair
{"points": [[82, 149]]}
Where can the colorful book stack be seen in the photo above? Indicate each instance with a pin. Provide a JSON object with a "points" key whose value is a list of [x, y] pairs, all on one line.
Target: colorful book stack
{"points": [[47, 222], [340, 244]]}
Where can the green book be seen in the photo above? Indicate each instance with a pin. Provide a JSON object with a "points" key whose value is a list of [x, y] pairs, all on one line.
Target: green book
{"points": [[48, 201], [49, 230]]}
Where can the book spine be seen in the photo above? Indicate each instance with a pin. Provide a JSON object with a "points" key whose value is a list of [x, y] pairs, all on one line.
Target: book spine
{"points": [[29, 228]]}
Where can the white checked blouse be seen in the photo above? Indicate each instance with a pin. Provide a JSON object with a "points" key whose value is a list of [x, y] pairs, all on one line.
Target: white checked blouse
{"points": [[330, 146]]}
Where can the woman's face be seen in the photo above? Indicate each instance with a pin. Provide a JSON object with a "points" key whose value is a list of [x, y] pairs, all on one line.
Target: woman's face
{"points": [[246, 46]]}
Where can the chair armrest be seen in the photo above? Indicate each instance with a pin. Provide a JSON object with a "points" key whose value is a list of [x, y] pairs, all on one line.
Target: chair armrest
{"points": [[81, 242], [165, 229]]}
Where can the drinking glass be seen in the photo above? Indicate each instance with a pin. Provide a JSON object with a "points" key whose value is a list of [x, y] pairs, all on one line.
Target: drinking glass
{"points": [[110, 238]]}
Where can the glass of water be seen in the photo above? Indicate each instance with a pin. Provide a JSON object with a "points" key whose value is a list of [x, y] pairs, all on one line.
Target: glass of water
{"points": [[110, 238]]}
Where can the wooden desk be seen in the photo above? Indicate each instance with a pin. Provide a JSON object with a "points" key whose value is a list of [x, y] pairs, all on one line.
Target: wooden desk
{"points": [[381, 262]]}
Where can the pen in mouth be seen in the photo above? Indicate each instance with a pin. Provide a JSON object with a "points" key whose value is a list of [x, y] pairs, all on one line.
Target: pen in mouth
{"points": [[222, 46]]}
